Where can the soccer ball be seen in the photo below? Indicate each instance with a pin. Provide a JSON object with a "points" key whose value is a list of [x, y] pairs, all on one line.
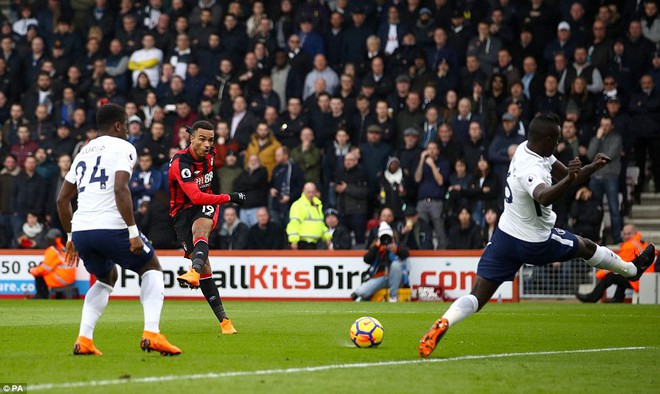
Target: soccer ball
{"points": [[366, 332]]}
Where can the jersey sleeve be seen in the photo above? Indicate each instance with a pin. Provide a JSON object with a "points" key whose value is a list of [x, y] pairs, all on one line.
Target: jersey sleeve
{"points": [[182, 173], [71, 175], [532, 177], [126, 159]]}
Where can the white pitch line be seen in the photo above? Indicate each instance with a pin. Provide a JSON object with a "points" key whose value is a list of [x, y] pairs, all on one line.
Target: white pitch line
{"points": [[218, 375]]}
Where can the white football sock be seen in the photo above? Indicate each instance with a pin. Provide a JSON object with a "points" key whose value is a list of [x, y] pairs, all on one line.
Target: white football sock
{"points": [[96, 300], [461, 308], [151, 297], [608, 260]]}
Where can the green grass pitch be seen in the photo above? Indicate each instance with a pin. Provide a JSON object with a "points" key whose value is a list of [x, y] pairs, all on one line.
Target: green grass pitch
{"points": [[303, 347]]}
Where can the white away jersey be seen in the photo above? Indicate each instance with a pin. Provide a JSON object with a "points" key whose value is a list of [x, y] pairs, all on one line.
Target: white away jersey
{"points": [[524, 218], [93, 173]]}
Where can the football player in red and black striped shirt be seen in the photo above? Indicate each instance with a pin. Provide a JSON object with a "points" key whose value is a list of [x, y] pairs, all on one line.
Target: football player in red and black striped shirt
{"points": [[194, 210]]}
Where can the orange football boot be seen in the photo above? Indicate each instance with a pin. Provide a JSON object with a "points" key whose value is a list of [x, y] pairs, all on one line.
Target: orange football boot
{"points": [[85, 347], [227, 327], [157, 342], [430, 340], [190, 278]]}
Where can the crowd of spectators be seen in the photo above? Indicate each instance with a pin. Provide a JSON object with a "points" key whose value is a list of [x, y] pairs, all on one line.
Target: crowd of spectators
{"points": [[400, 111]]}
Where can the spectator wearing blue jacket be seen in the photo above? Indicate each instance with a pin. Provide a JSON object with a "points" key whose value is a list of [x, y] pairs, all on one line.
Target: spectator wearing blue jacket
{"points": [[310, 41], [498, 152], [374, 154], [145, 181]]}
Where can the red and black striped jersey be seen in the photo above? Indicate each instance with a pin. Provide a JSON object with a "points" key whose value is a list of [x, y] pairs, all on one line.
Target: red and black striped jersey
{"points": [[190, 181]]}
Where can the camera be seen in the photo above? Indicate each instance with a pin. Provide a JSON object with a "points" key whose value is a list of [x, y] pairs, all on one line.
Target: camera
{"points": [[385, 239]]}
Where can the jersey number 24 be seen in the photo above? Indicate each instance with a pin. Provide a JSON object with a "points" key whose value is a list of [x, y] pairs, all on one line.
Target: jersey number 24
{"points": [[101, 177]]}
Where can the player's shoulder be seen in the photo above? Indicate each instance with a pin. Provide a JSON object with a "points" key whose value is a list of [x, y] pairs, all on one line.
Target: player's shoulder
{"points": [[182, 156], [109, 145], [524, 158], [121, 144], [181, 160]]}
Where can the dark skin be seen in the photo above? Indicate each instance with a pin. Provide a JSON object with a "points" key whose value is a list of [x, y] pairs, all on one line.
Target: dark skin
{"points": [[124, 205], [201, 141], [563, 177]]}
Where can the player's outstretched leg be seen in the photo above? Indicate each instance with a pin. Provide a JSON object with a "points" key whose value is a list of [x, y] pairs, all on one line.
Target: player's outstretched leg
{"points": [[603, 258], [96, 300], [151, 297], [212, 296]]}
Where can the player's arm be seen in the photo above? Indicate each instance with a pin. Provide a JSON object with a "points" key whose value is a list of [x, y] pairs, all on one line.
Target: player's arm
{"points": [[65, 211], [125, 206], [546, 195], [559, 170]]}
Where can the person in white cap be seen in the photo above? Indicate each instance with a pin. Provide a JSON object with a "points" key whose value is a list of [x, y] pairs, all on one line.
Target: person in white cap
{"points": [[563, 43], [386, 259]]}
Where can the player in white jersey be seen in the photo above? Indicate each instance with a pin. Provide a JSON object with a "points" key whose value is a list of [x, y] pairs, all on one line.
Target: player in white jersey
{"points": [[103, 233], [526, 233]]}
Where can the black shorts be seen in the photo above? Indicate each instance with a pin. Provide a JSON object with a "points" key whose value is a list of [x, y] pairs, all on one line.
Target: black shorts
{"points": [[184, 220]]}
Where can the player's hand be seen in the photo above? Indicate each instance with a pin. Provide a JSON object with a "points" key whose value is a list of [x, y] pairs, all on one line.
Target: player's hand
{"points": [[237, 198], [391, 247], [71, 256], [137, 246], [601, 160], [574, 168]]}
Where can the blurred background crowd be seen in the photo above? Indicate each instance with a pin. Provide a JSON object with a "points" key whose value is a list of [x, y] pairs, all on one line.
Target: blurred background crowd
{"points": [[400, 111]]}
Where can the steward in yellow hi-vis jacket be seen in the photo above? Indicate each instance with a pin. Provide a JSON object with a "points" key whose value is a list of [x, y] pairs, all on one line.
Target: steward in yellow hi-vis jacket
{"points": [[53, 271], [306, 226]]}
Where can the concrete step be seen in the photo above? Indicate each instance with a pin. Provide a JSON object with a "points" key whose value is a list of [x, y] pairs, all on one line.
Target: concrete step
{"points": [[645, 211], [650, 198], [647, 224]]}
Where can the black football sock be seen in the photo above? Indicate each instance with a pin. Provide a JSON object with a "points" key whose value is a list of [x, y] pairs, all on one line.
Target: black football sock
{"points": [[200, 253], [212, 295]]}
